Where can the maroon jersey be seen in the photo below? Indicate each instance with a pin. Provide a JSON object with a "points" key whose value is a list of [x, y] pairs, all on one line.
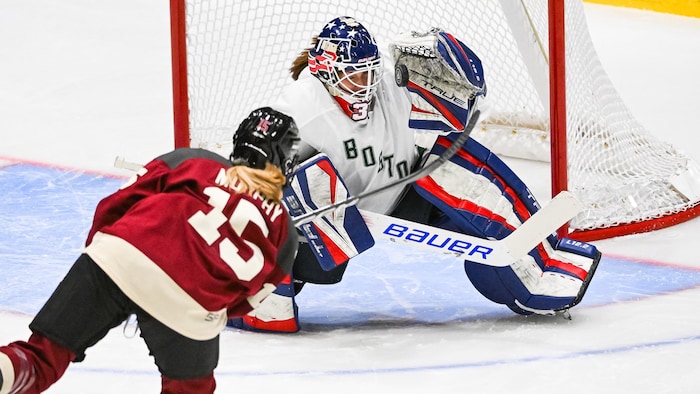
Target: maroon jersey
{"points": [[188, 248]]}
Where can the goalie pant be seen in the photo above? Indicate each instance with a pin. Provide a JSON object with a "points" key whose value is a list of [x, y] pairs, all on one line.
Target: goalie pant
{"points": [[490, 201]]}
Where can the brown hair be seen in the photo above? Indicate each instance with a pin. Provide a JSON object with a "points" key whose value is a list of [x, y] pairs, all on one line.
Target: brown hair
{"points": [[268, 182], [301, 61]]}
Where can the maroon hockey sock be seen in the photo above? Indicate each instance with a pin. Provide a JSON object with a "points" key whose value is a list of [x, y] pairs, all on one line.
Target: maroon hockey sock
{"points": [[203, 385], [37, 364]]}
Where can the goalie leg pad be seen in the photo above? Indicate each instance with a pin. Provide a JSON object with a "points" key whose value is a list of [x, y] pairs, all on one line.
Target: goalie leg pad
{"points": [[526, 288], [277, 313], [490, 201], [477, 190]]}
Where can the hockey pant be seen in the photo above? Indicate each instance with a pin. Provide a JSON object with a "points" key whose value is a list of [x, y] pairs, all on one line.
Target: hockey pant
{"points": [[80, 312], [481, 196]]}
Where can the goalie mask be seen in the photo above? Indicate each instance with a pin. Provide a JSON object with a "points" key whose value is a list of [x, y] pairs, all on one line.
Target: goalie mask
{"points": [[266, 136], [346, 59]]}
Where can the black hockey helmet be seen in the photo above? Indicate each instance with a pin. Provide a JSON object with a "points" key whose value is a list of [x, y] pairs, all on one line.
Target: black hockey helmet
{"points": [[265, 136]]}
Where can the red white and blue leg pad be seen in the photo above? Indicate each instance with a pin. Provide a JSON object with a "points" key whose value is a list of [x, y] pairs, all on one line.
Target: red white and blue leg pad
{"points": [[481, 196], [334, 239], [277, 313]]}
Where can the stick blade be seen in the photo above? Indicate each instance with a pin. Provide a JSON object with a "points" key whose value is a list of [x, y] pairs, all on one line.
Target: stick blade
{"points": [[563, 207]]}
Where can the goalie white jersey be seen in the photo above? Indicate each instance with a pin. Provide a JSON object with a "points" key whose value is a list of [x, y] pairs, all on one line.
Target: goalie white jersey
{"points": [[368, 153]]}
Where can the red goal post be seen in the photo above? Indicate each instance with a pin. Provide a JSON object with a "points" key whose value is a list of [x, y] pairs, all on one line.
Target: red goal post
{"points": [[229, 56]]}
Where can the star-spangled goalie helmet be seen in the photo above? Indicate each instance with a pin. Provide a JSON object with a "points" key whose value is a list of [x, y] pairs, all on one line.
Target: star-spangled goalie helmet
{"points": [[266, 136], [346, 59]]}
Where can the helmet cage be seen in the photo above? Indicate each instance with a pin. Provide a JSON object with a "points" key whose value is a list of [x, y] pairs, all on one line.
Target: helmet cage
{"points": [[343, 52], [346, 80]]}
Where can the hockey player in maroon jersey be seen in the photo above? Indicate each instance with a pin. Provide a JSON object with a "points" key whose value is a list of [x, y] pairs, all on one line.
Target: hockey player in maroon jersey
{"points": [[188, 242]]}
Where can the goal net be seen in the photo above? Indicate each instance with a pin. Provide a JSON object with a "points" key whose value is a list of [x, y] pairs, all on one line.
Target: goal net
{"points": [[230, 57]]}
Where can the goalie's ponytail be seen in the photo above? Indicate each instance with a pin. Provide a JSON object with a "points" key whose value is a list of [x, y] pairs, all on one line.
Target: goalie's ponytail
{"points": [[268, 182], [302, 61]]}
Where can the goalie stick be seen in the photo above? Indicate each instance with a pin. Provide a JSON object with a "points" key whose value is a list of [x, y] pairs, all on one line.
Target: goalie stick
{"points": [[496, 253]]}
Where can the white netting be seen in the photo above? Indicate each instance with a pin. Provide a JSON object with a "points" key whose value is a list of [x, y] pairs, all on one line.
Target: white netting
{"points": [[239, 53]]}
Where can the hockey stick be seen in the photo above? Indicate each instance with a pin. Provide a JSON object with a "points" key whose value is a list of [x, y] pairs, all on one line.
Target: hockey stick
{"points": [[120, 162], [496, 253], [353, 200]]}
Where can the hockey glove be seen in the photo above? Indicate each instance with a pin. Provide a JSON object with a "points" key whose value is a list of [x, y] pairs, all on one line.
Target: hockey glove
{"points": [[444, 77]]}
